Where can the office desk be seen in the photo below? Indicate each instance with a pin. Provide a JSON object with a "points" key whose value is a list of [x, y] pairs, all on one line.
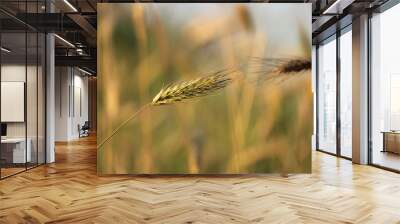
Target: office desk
{"points": [[391, 141], [13, 150]]}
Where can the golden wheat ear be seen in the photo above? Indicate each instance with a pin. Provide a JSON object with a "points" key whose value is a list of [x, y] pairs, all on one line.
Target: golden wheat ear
{"points": [[194, 88]]}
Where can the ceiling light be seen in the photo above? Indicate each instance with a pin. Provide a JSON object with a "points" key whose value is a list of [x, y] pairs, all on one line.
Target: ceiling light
{"points": [[84, 71], [70, 5], [65, 41], [80, 51], [327, 11], [5, 50], [338, 6]]}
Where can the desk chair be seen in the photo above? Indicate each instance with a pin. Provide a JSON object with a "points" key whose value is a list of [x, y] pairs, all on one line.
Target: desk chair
{"points": [[84, 130]]}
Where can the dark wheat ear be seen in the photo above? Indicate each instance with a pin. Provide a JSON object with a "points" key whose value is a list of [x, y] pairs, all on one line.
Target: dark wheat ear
{"points": [[281, 65], [295, 65], [263, 70]]}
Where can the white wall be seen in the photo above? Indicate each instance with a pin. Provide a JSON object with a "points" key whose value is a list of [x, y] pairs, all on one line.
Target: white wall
{"points": [[71, 93], [62, 81], [10, 73], [16, 73]]}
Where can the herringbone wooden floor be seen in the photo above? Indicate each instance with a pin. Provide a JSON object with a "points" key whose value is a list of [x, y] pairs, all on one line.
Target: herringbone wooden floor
{"points": [[70, 192]]}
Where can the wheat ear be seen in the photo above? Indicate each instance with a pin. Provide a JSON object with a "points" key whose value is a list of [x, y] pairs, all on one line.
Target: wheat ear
{"points": [[295, 65], [192, 89], [269, 69]]}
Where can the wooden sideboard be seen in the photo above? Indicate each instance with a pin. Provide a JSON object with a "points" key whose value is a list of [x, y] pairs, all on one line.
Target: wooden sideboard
{"points": [[391, 141]]}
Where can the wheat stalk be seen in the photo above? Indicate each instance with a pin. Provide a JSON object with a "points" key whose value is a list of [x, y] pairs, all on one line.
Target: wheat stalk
{"points": [[122, 125]]}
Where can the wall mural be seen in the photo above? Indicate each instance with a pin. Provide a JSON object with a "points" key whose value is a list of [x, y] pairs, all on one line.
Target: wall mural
{"points": [[204, 88]]}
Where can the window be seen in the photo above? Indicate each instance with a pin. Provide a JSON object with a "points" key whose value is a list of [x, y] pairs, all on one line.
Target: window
{"points": [[346, 93], [327, 96], [385, 89]]}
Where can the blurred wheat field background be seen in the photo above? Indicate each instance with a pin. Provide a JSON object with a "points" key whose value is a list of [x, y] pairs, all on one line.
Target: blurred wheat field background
{"points": [[258, 122]]}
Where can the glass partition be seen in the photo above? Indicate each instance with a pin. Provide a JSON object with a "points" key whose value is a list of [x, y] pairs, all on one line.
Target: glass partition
{"points": [[14, 153], [22, 91]]}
